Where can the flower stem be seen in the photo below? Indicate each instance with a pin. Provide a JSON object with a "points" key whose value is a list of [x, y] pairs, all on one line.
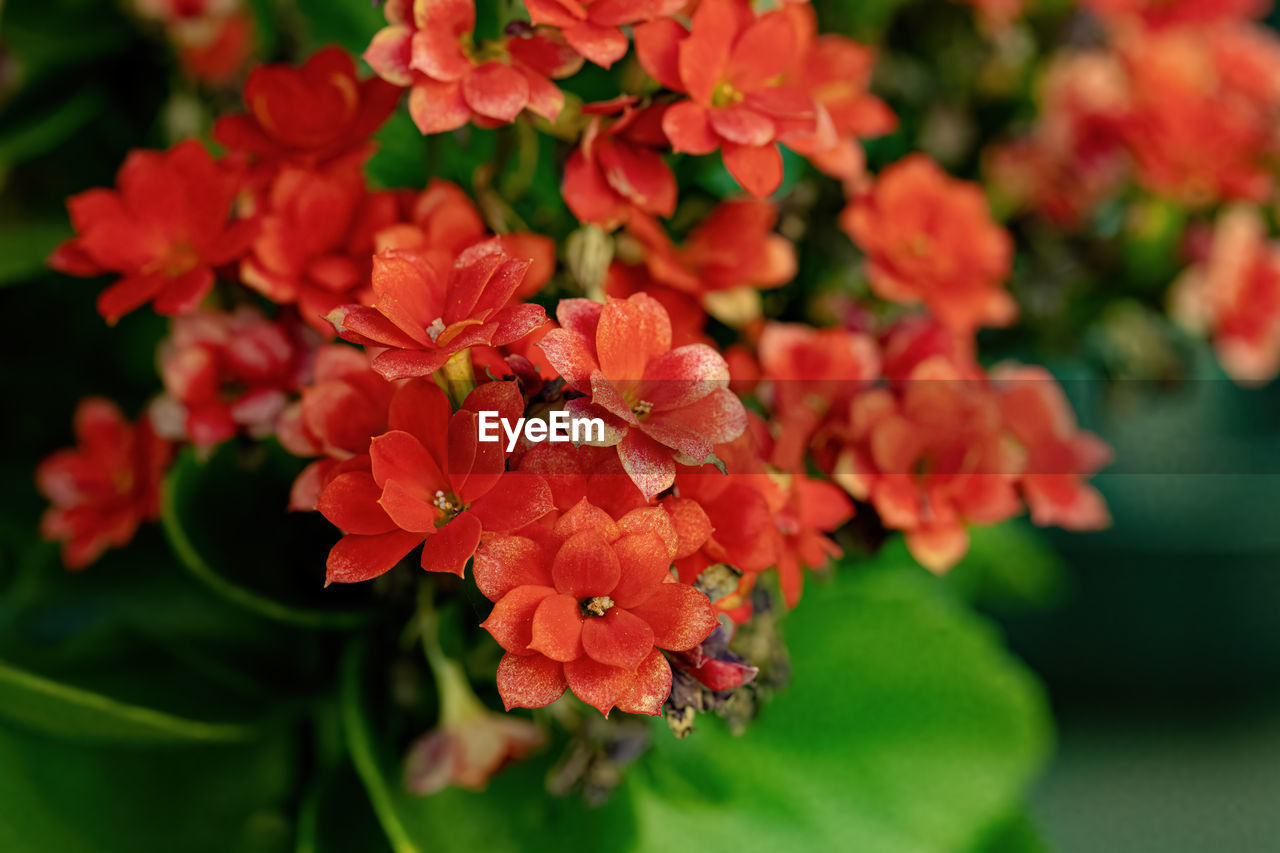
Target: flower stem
{"points": [[457, 377]]}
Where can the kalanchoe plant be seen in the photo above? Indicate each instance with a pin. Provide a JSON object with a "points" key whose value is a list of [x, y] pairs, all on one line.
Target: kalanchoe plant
{"points": [[368, 329]]}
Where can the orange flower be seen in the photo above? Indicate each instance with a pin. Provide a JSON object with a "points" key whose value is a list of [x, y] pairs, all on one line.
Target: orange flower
{"points": [[930, 238]]}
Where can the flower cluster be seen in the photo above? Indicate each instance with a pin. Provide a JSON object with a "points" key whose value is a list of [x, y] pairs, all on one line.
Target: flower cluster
{"points": [[369, 330]]}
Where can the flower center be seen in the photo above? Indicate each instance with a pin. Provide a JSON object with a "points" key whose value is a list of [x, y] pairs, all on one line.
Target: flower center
{"points": [[448, 505], [597, 606], [434, 330], [725, 95], [642, 408]]}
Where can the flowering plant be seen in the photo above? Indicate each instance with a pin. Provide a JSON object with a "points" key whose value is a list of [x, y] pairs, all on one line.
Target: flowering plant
{"points": [[706, 231]]}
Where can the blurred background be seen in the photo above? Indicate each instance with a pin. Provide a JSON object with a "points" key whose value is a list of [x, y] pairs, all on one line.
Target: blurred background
{"points": [[1156, 640]]}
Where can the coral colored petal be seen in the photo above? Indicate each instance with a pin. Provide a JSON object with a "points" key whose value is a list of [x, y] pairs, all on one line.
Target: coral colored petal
{"points": [[580, 316], [601, 45], [585, 566], [396, 455], [496, 91], [597, 684], [518, 499], [389, 54], [586, 517], [649, 465], [618, 638], [688, 127], [693, 527], [361, 558], [763, 52], [530, 681], [368, 327], [505, 562], [350, 502], [631, 333], [545, 97], [449, 548], [511, 621], [681, 617], [758, 169], [742, 125], [658, 49], [705, 54], [938, 548], [127, 294], [437, 107], [408, 364], [638, 174], [649, 688], [557, 628], [438, 54], [683, 376], [718, 418], [407, 509], [590, 196], [515, 322], [571, 354], [645, 564], [420, 408]]}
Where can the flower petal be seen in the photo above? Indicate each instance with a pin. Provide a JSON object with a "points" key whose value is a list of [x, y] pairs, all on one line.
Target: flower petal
{"points": [[585, 566], [617, 638], [449, 548], [601, 45], [511, 621], [505, 562], [688, 127], [557, 628], [496, 91], [518, 499], [681, 617], [360, 558], [350, 502], [646, 565], [757, 168], [529, 681], [437, 107], [649, 688], [597, 684], [649, 465]]}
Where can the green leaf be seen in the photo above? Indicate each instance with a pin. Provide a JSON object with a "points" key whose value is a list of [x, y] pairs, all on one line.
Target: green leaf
{"points": [[350, 24], [71, 798], [204, 502], [64, 710], [907, 728]]}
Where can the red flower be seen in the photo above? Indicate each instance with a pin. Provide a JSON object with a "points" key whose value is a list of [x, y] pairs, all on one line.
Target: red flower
{"points": [[103, 488], [340, 412], [930, 238], [812, 509], [428, 479], [1233, 295], [931, 455], [316, 241], [618, 167], [729, 65], [430, 47], [309, 115], [591, 27], [836, 71], [443, 218], [426, 312], [224, 373], [1059, 454], [1203, 108], [587, 604], [163, 231], [725, 260], [1164, 13], [660, 404], [214, 49]]}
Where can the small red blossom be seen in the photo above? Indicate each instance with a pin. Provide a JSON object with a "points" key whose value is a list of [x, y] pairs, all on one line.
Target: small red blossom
{"points": [[729, 64], [591, 27], [429, 46], [228, 373], [443, 218], [425, 311], [1204, 101], [163, 231], [931, 455], [429, 479], [618, 166], [101, 490], [930, 238], [310, 115], [316, 241], [588, 604], [1233, 296], [812, 509], [660, 404], [1059, 455], [341, 410], [836, 72]]}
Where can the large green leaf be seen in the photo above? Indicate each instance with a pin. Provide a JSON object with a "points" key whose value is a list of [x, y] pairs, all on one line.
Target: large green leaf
{"points": [[907, 728], [71, 798], [277, 573]]}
